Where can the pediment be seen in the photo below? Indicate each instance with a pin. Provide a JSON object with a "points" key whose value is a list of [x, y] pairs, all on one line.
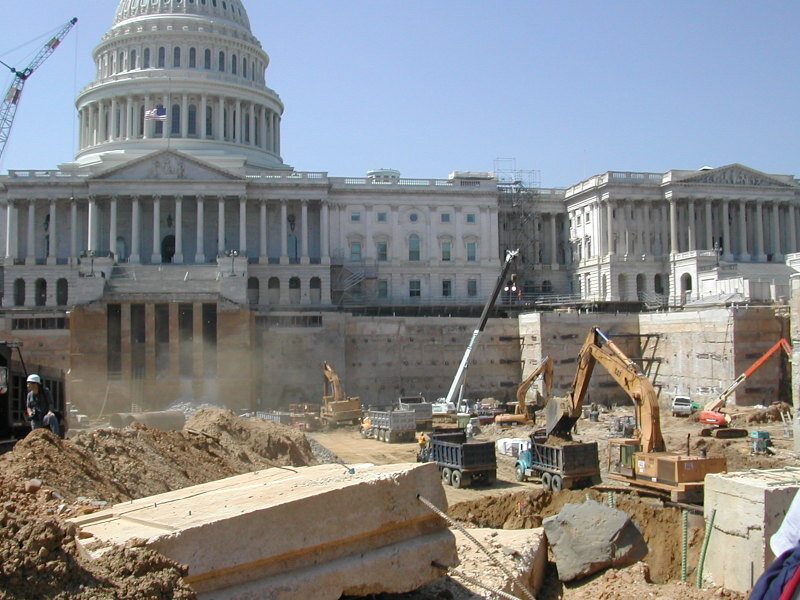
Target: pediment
{"points": [[735, 174], [167, 165]]}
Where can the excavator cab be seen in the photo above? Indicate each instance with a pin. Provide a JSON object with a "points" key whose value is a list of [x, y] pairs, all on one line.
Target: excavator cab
{"points": [[621, 456]]}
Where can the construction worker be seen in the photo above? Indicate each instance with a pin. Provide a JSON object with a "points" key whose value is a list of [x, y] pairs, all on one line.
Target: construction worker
{"points": [[40, 406]]}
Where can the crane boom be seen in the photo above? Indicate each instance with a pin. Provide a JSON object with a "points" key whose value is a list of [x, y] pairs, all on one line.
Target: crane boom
{"points": [[8, 109]]}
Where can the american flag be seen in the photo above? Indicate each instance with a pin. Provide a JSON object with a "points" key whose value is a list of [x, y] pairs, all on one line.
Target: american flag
{"points": [[159, 113]]}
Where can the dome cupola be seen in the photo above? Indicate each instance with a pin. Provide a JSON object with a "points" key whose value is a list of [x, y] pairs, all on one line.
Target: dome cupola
{"points": [[184, 74]]}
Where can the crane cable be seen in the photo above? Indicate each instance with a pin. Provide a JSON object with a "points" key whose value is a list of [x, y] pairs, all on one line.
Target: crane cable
{"points": [[471, 538]]}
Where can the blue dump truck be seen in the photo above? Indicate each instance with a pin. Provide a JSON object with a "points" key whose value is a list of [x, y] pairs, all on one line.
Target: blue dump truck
{"points": [[461, 463], [560, 464]]}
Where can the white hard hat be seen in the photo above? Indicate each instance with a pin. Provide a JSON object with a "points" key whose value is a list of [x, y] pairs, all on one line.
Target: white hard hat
{"points": [[34, 378]]}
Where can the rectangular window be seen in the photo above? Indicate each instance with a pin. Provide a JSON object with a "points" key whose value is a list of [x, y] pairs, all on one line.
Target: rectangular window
{"points": [[414, 288], [446, 251], [447, 288], [470, 217], [114, 339], [210, 339], [185, 340], [472, 288], [382, 250], [381, 217], [162, 340], [472, 251], [383, 288], [445, 217], [138, 338], [355, 217], [355, 251]]}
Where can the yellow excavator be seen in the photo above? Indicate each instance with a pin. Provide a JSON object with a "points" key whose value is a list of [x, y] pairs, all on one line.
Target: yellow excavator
{"points": [[337, 409], [522, 416], [641, 460]]}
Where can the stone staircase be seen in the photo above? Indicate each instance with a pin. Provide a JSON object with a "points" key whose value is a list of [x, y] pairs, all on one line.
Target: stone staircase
{"points": [[161, 279]]}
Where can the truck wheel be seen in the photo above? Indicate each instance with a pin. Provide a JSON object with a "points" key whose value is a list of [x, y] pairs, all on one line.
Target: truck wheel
{"points": [[446, 473], [557, 483], [547, 480], [489, 477], [455, 479], [520, 473]]}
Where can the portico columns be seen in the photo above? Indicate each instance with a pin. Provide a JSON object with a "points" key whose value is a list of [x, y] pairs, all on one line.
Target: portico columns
{"points": [[647, 248], [178, 256], [673, 226], [709, 227], [199, 254], [553, 242], [743, 254], [324, 234], [609, 228], [30, 255], [792, 229], [776, 234], [52, 253], [11, 229], [112, 230], [155, 258], [692, 225], [262, 221], [727, 242], [201, 118], [220, 225], [304, 259], [284, 260], [759, 254], [135, 230], [243, 225], [73, 224]]}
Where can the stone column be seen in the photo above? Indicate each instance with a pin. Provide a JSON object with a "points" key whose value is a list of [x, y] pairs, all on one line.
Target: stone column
{"points": [[73, 223], [11, 229], [553, 242], [220, 119], [777, 256], [262, 126], [185, 116], [609, 228], [112, 229], [30, 255], [709, 226], [304, 258], [129, 106], [135, 230], [146, 126], [325, 234], [178, 256], [691, 226], [647, 248], [221, 226], [673, 226], [91, 242], [278, 135], [458, 245], [792, 229], [251, 126], [155, 258], [52, 254], [238, 122], [494, 233], [199, 253], [113, 120], [759, 255], [262, 221], [243, 225], [727, 242], [743, 254], [284, 260]]}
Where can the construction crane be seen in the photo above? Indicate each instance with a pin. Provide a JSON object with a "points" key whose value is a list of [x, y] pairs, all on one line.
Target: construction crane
{"points": [[8, 109]]}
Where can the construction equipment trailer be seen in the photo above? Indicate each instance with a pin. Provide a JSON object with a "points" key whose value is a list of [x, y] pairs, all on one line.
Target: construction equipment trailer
{"points": [[461, 463]]}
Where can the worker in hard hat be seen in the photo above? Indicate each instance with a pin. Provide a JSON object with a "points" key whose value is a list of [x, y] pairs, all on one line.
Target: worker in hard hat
{"points": [[40, 406]]}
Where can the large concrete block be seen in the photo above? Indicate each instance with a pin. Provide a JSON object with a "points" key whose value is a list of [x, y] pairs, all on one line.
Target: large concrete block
{"points": [[308, 532], [749, 509]]}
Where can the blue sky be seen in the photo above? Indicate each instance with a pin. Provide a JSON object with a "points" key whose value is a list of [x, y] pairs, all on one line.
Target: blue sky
{"points": [[565, 89]]}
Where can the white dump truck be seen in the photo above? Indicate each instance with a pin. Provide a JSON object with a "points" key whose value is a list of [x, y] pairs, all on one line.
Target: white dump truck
{"points": [[389, 425]]}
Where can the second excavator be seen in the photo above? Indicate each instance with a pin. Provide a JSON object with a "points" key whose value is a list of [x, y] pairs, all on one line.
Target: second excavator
{"points": [[524, 414]]}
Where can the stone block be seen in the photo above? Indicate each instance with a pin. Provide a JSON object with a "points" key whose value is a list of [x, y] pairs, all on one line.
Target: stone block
{"points": [[307, 532], [748, 509]]}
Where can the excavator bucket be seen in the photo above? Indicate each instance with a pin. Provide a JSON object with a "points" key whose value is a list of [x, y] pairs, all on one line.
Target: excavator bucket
{"points": [[559, 419]]}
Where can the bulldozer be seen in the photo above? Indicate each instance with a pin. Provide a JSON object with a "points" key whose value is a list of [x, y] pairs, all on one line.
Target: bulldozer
{"points": [[338, 409]]}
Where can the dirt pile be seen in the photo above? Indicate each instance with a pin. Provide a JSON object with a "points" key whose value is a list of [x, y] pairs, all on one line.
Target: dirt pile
{"points": [[46, 479]]}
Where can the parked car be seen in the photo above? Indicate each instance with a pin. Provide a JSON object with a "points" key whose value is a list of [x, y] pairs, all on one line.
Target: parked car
{"points": [[682, 406]]}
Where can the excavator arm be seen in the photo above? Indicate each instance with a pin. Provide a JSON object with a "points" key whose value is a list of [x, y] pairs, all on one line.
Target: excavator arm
{"points": [[545, 369], [333, 386], [562, 416]]}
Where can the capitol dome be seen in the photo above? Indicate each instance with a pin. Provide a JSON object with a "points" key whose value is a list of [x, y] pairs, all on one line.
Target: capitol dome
{"points": [[183, 74]]}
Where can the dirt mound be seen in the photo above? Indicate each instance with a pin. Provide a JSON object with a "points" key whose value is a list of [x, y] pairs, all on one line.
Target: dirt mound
{"points": [[529, 508], [770, 414], [46, 479]]}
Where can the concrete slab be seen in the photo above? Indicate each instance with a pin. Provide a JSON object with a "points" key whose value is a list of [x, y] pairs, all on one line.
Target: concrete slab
{"points": [[750, 507], [307, 532]]}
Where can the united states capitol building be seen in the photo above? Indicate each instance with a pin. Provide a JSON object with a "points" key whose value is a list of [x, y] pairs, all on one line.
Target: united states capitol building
{"points": [[170, 242]]}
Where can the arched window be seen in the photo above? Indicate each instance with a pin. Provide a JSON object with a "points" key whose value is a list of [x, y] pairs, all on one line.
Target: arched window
{"points": [[658, 284], [192, 120], [207, 59], [294, 290], [146, 58], [132, 60], [41, 292], [192, 58], [175, 128], [247, 128], [62, 292], [413, 247], [19, 292], [162, 57], [209, 121], [315, 290], [244, 68], [640, 287], [252, 290], [233, 64], [274, 290], [176, 57], [221, 61], [120, 62]]}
